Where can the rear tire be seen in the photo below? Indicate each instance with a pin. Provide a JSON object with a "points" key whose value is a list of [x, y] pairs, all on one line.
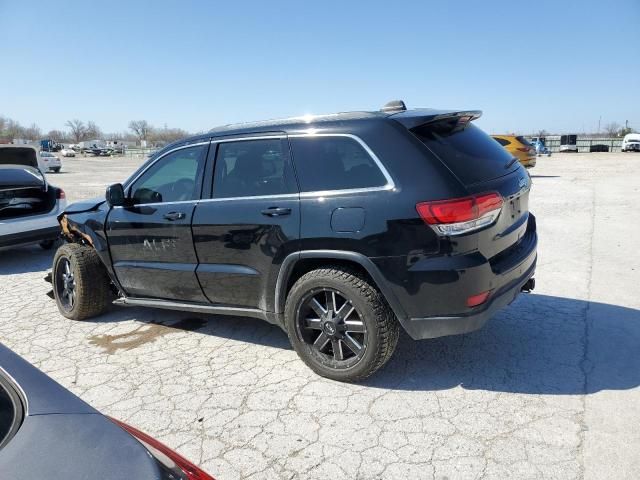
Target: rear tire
{"points": [[81, 285], [56, 169], [332, 350]]}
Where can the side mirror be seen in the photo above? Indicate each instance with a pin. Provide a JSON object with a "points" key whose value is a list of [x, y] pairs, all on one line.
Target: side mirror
{"points": [[115, 195]]}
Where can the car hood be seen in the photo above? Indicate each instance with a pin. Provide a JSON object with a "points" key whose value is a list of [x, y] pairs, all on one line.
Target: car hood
{"points": [[16, 176], [85, 205], [42, 394], [17, 155]]}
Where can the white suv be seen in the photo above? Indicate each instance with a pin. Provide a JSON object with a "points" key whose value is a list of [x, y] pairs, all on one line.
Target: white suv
{"points": [[29, 206]]}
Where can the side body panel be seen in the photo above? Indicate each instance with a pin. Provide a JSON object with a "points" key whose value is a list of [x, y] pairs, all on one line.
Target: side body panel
{"points": [[241, 243], [152, 255], [241, 250]]}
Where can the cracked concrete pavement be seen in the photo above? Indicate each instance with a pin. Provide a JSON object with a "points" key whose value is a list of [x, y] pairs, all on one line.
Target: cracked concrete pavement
{"points": [[548, 389]]}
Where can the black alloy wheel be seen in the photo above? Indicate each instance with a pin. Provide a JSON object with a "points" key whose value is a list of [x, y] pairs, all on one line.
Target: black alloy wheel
{"points": [[329, 322]]}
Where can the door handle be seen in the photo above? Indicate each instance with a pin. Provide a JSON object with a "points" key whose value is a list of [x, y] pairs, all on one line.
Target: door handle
{"points": [[174, 216], [276, 211]]}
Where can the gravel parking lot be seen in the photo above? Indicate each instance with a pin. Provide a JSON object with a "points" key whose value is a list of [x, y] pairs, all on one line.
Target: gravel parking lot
{"points": [[550, 388]]}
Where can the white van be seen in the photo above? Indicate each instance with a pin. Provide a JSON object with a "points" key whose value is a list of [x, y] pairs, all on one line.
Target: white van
{"points": [[631, 142]]}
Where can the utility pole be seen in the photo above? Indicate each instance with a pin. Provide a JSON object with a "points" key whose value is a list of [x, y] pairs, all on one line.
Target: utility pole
{"points": [[599, 119]]}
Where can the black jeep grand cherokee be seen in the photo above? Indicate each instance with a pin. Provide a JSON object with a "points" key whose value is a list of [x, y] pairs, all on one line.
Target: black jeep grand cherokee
{"points": [[338, 228]]}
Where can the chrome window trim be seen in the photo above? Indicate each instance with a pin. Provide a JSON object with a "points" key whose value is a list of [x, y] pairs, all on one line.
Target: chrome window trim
{"points": [[155, 204], [390, 185], [283, 196], [246, 139]]}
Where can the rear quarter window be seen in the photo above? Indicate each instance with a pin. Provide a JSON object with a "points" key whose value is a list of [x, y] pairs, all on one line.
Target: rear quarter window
{"points": [[334, 163]]}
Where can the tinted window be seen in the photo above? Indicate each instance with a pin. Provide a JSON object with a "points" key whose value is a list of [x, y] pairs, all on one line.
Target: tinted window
{"points": [[524, 141], [252, 168], [472, 155], [502, 141], [334, 163], [176, 177]]}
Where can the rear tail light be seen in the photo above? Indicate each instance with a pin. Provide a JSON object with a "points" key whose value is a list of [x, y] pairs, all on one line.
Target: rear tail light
{"points": [[61, 195], [176, 466], [461, 215]]}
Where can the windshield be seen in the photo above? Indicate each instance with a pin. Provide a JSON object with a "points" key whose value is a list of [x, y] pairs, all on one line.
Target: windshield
{"points": [[18, 156]]}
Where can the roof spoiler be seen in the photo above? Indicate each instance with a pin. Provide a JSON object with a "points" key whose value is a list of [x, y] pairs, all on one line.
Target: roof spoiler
{"points": [[419, 117]]}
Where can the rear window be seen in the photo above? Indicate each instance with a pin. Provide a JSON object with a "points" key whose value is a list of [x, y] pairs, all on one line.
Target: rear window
{"points": [[18, 156], [10, 412], [334, 163], [472, 155]]}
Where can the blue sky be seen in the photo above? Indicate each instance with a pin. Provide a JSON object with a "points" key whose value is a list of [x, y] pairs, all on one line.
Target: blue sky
{"points": [[557, 65]]}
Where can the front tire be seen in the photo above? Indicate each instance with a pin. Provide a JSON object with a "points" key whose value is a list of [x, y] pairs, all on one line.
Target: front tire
{"points": [[339, 324], [81, 285]]}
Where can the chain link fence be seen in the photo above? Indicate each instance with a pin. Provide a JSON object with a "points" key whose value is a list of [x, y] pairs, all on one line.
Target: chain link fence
{"points": [[585, 144]]}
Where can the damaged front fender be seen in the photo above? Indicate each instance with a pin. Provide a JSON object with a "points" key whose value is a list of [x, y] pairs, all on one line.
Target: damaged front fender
{"points": [[84, 223]]}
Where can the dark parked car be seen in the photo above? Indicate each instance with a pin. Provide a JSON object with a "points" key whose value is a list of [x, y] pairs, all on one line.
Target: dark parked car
{"points": [[47, 432], [338, 228]]}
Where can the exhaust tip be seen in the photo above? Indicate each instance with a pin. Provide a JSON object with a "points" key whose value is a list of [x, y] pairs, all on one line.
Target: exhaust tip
{"points": [[529, 285]]}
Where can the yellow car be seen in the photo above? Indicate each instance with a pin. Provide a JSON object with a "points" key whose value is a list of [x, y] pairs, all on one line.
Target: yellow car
{"points": [[519, 147]]}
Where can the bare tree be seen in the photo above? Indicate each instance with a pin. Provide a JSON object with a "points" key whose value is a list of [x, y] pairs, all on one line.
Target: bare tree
{"points": [[113, 137], [167, 135], [542, 133], [58, 136], [612, 129], [13, 129], [92, 131], [141, 129], [33, 132], [77, 128]]}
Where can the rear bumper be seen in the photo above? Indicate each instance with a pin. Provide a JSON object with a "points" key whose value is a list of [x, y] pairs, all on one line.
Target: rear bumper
{"points": [[432, 292], [432, 327]]}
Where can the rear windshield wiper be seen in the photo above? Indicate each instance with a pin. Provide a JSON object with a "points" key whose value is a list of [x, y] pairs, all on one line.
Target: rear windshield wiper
{"points": [[513, 160]]}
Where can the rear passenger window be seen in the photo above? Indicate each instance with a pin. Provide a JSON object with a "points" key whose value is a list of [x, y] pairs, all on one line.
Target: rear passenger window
{"points": [[502, 141], [334, 163], [252, 168]]}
